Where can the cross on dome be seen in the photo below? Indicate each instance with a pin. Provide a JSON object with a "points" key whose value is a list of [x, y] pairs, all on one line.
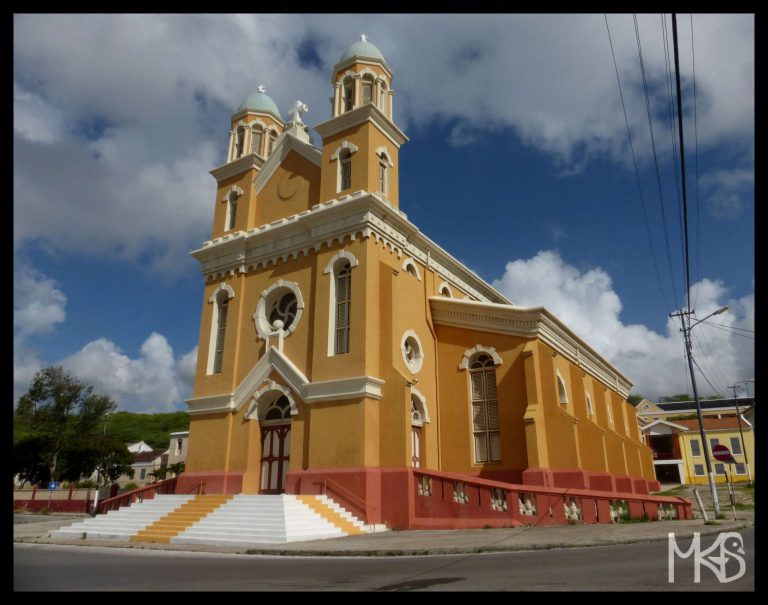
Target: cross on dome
{"points": [[363, 38], [261, 88], [299, 108]]}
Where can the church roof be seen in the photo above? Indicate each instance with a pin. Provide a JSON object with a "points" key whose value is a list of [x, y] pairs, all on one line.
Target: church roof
{"points": [[362, 48], [260, 101]]}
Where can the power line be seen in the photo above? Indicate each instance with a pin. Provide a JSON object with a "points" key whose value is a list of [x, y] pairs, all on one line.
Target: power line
{"points": [[714, 390], [637, 172], [696, 138], [655, 161], [668, 70], [724, 329], [712, 323], [711, 361]]}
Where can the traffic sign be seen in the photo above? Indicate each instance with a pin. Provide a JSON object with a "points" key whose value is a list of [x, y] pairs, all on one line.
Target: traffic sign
{"points": [[722, 453], [53, 485]]}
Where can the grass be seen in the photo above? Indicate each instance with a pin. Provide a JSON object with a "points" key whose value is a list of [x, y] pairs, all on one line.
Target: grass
{"points": [[675, 491], [744, 506]]}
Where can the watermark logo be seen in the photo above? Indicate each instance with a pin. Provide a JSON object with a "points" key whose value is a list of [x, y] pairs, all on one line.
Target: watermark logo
{"points": [[715, 558]]}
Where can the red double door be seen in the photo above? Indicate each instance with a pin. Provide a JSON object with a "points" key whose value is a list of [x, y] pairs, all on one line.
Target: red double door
{"points": [[275, 454]]}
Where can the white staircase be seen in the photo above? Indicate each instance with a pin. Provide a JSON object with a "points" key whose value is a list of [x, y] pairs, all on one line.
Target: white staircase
{"points": [[248, 520], [242, 521], [125, 522]]}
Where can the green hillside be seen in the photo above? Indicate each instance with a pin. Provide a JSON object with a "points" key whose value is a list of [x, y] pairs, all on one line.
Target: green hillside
{"points": [[154, 429]]}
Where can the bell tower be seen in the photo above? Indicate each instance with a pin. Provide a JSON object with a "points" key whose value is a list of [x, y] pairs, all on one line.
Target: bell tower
{"points": [[256, 126], [361, 143]]}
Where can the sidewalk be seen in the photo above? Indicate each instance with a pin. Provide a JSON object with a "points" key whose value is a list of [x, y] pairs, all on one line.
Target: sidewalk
{"points": [[432, 542]]}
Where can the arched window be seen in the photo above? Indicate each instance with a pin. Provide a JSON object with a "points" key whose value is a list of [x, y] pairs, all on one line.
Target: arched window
{"points": [[339, 269], [256, 136], [561, 392], [239, 141], [367, 89], [231, 211], [485, 409], [222, 306], [271, 142], [278, 411], [345, 169], [349, 94], [383, 176], [343, 277]]}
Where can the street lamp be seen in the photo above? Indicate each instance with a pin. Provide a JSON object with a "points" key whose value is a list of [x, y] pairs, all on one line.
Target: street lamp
{"points": [[688, 348]]}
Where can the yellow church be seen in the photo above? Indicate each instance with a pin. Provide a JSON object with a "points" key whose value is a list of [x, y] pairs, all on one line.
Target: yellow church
{"points": [[344, 352]]}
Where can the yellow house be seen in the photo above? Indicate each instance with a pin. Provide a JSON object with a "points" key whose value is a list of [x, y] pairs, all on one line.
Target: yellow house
{"points": [[672, 431], [340, 348]]}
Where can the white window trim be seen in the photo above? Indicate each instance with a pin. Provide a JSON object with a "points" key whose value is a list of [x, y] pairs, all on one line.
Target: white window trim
{"points": [[733, 449], [470, 353], [691, 446], [213, 299], [233, 191], [703, 471], [381, 152], [408, 262], [424, 409], [270, 386], [330, 269], [352, 148], [608, 410], [263, 328], [736, 468], [590, 408], [416, 365], [560, 382], [445, 285]]}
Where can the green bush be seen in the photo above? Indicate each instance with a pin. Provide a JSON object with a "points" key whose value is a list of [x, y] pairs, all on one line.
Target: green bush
{"points": [[130, 486]]}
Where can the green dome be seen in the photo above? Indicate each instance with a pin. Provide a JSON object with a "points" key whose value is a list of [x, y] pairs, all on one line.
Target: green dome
{"points": [[260, 101], [362, 48]]}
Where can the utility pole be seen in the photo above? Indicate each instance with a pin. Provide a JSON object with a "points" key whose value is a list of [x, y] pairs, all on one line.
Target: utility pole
{"points": [[685, 316], [685, 320], [741, 432]]}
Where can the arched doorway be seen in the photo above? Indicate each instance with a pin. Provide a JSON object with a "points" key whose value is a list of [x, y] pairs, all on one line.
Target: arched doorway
{"points": [[275, 445]]}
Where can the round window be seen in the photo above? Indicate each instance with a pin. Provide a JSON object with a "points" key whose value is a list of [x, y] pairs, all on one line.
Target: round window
{"points": [[412, 351], [278, 310], [282, 313]]}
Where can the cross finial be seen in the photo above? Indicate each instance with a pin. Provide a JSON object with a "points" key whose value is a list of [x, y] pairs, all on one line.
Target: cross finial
{"points": [[261, 88], [363, 38], [299, 108]]}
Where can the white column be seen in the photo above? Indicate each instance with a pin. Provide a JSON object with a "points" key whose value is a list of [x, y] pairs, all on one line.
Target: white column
{"points": [[246, 141], [336, 98], [377, 100], [357, 91], [231, 145], [391, 100]]}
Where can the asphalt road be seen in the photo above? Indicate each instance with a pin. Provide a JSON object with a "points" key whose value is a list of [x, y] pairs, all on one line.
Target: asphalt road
{"points": [[631, 567]]}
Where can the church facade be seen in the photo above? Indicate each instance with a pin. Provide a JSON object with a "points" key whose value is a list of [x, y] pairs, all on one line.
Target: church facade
{"points": [[342, 351]]}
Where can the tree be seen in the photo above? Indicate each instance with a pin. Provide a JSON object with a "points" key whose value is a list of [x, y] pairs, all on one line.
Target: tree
{"points": [[176, 468], [635, 399], [59, 414], [158, 474]]}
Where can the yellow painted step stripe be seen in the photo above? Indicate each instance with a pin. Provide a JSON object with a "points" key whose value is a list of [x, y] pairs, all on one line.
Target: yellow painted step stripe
{"points": [[330, 515], [180, 519]]}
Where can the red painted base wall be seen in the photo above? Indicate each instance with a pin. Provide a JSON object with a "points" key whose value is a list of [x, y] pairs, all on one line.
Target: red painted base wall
{"points": [[410, 498]]}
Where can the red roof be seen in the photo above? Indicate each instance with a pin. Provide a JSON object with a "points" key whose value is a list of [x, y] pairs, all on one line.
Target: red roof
{"points": [[712, 424], [145, 457]]}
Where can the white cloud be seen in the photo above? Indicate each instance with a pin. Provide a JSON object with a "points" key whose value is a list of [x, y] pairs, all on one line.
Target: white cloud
{"points": [[152, 382], [726, 190], [38, 304], [587, 303], [133, 121]]}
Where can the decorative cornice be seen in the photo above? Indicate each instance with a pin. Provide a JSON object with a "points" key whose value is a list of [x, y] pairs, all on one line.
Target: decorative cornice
{"points": [[357, 387], [284, 144], [528, 322], [361, 214], [247, 162], [253, 112], [359, 115], [362, 61]]}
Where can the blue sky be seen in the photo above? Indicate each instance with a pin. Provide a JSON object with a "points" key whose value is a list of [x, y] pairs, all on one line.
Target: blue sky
{"points": [[518, 164]]}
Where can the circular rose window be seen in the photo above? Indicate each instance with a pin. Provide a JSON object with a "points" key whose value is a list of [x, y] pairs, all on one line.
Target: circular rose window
{"points": [[279, 309]]}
